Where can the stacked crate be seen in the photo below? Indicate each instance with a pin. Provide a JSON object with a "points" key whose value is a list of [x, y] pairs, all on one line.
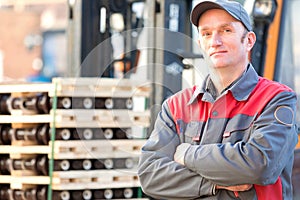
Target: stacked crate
{"points": [[72, 139]]}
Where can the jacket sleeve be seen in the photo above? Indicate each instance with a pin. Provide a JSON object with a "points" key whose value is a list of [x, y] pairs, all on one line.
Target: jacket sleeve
{"points": [[261, 159], [160, 176]]}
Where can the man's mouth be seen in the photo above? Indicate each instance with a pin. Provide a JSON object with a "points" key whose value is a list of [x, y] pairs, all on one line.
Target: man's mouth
{"points": [[216, 53]]}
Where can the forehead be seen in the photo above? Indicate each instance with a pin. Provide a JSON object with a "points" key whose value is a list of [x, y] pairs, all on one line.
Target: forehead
{"points": [[216, 17]]}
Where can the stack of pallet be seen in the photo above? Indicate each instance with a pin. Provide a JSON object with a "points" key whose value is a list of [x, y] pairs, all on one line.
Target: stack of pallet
{"points": [[72, 139]]}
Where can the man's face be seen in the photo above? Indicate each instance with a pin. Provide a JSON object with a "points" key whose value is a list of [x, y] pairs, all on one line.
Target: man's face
{"points": [[224, 39]]}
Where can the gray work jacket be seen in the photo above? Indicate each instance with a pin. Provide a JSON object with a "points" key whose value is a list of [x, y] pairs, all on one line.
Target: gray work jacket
{"points": [[246, 136]]}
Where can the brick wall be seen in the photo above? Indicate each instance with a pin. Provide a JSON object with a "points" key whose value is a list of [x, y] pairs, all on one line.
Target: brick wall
{"points": [[17, 58]]}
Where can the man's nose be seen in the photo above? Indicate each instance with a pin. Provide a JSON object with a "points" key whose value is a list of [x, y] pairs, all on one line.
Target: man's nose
{"points": [[216, 39]]}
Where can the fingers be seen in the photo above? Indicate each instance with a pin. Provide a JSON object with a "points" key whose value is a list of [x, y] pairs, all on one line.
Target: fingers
{"points": [[238, 188]]}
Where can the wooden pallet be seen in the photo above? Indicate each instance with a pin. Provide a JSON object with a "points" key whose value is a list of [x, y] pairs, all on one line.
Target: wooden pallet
{"points": [[82, 149], [96, 179], [97, 149], [79, 118], [77, 180], [21, 182], [21, 150], [23, 143], [99, 87], [18, 120], [81, 86], [100, 118], [5, 179], [23, 88], [82, 118]]}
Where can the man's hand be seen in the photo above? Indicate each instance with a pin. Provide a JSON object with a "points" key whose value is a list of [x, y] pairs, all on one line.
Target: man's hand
{"points": [[236, 188], [180, 152]]}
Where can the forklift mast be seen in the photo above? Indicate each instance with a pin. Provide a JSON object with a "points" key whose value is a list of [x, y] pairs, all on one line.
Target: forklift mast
{"points": [[92, 25], [166, 23], [171, 21]]}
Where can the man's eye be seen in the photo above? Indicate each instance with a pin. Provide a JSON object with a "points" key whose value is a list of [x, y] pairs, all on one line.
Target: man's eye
{"points": [[205, 34]]}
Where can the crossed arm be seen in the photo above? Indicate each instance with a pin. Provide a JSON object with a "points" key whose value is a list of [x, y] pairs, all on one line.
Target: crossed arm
{"points": [[167, 172], [162, 177]]}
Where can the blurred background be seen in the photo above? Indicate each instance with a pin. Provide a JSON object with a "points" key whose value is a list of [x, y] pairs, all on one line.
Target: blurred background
{"points": [[33, 40]]}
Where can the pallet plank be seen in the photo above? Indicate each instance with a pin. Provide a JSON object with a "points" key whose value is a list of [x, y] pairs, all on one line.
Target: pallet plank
{"points": [[19, 182], [100, 118], [43, 118], [31, 149], [81, 149], [96, 179], [83, 118], [100, 87], [25, 87], [77, 180], [4, 179], [97, 149]]}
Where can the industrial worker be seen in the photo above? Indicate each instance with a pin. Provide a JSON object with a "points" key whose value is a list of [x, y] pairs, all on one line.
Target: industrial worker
{"points": [[232, 137]]}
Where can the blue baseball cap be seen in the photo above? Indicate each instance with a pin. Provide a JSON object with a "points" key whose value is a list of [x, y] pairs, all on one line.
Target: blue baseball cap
{"points": [[235, 9]]}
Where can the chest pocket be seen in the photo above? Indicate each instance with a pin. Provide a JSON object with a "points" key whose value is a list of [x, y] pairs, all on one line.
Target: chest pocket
{"points": [[190, 132], [238, 128]]}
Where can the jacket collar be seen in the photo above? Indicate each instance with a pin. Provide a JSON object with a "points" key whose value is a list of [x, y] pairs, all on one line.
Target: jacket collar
{"points": [[240, 90]]}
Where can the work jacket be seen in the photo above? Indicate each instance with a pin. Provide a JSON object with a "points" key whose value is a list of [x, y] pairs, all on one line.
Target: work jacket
{"points": [[245, 136]]}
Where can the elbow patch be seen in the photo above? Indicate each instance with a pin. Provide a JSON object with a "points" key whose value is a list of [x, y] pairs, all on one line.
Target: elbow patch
{"points": [[284, 115]]}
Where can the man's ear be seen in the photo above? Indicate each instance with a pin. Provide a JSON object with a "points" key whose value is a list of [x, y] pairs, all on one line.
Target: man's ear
{"points": [[251, 39]]}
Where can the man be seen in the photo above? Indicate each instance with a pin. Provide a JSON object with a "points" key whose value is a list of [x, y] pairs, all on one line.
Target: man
{"points": [[234, 136]]}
